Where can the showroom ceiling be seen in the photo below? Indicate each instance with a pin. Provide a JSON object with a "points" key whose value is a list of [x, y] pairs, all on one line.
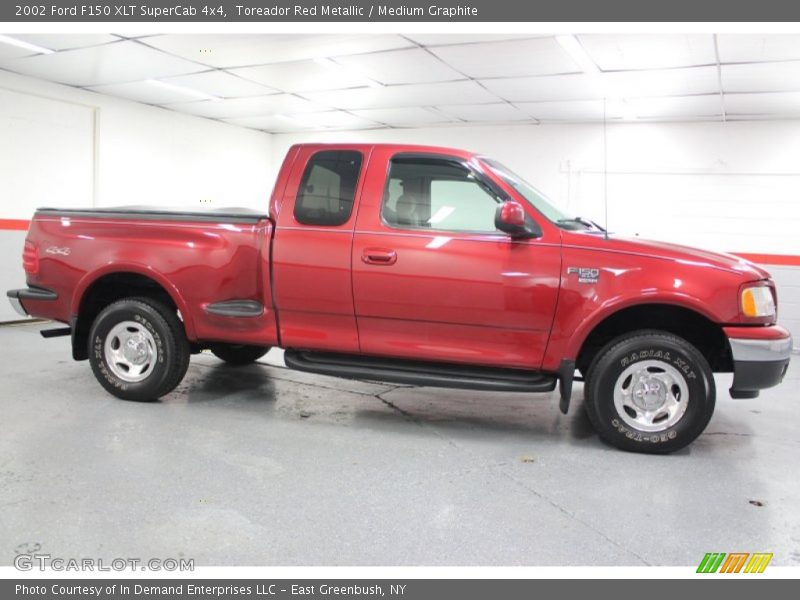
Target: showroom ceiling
{"points": [[289, 83]]}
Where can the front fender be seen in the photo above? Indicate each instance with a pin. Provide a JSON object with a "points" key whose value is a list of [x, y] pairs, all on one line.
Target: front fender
{"points": [[625, 280]]}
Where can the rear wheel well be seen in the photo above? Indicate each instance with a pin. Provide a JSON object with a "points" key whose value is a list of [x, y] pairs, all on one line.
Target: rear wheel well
{"points": [[104, 291], [698, 330]]}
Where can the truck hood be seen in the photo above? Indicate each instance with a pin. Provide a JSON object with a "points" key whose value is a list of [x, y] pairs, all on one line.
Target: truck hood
{"points": [[677, 253]]}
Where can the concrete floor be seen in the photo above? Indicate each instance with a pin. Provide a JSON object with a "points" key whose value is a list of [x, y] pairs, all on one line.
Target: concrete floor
{"points": [[265, 466]]}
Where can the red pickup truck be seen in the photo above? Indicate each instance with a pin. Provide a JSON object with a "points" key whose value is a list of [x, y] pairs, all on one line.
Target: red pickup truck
{"points": [[411, 264]]}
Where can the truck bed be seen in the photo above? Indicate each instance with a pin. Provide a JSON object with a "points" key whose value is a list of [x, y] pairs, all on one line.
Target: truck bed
{"points": [[208, 261], [231, 214]]}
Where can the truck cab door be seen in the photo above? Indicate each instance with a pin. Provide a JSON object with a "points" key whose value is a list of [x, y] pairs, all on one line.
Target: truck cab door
{"points": [[432, 277], [312, 283]]}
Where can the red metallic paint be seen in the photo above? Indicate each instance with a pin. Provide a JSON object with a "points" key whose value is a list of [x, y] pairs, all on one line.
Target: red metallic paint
{"points": [[473, 298], [457, 297], [311, 275], [774, 332], [196, 263], [636, 272]]}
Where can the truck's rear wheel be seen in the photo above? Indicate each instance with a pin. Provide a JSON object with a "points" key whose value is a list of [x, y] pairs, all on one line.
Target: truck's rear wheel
{"points": [[138, 349], [239, 354], [649, 391]]}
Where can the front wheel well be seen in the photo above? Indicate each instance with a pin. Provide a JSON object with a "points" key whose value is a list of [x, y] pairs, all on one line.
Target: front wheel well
{"points": [[698, 330], [104, 291]]}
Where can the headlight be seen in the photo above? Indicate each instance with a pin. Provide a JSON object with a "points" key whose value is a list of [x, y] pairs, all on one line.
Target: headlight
{"points": [[757, 301]]}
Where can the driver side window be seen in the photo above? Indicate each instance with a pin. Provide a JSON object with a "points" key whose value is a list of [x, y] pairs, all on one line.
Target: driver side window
{"points": [[437, 194]]}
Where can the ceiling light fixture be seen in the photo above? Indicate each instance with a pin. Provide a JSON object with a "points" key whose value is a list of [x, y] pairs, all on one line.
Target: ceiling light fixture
{"points": [[573, 47], [578, 53], [26, 45], [182, 90], [349, 71]]}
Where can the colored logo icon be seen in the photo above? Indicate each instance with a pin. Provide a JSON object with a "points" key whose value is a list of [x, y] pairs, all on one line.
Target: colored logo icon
{"points": [[735, 562]]}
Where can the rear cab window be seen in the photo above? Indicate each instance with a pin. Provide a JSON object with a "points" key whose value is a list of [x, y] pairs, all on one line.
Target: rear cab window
{"points": [[328, 188]]}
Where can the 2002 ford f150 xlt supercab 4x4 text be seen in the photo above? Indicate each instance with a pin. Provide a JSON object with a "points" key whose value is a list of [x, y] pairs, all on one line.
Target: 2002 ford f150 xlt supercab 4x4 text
{"points": [[412, 264]]}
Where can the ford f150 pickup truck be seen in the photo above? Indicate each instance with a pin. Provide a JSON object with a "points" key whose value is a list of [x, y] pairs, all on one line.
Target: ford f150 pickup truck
{"points": [[421, 265]]}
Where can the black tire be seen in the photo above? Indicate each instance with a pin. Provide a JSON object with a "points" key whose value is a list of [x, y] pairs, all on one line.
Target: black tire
{"points": [[239, 354], [171, 358], [621, 356]]}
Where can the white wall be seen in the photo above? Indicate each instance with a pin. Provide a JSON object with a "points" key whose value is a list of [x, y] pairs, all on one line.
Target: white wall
{"points": [[60, 146], [140, 154], [38, 132], [732, 187]]}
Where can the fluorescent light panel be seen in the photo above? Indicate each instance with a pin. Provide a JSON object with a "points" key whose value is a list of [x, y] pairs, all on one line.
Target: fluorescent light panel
{"points": [[573, 47], [26, 45], [182, 89]]}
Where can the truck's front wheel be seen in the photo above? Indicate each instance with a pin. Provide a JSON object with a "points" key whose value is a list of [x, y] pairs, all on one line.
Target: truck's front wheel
{"points": [[649, 391], [138, 349]]}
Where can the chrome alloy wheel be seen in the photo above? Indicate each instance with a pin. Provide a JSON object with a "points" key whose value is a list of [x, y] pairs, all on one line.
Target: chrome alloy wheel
{"points": [[651, 395], [130, 351]]}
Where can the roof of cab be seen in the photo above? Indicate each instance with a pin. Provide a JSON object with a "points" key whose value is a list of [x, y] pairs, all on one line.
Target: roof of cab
{"points": [[395, 147]]}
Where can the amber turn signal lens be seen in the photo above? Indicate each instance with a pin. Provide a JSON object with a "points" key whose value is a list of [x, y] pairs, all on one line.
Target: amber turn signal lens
{"points": [[757, 302]]}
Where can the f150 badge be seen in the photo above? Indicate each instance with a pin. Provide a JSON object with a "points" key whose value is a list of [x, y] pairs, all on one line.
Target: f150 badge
{"points": [[585, 274]]}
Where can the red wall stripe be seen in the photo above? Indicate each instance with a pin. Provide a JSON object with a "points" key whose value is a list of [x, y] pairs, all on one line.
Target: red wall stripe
{"points": [[14, 224], [762, 259], [771, 259]]}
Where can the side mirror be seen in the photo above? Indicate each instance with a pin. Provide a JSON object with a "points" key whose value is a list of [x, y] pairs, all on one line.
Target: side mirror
{"points": [[511, 219]]}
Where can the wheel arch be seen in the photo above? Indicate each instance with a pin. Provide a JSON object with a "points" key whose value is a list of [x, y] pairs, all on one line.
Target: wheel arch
{"points": [[114, 282], [686, 321]]}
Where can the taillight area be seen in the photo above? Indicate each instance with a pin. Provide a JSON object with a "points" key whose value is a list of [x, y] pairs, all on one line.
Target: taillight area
{"points": [[30, 258]]}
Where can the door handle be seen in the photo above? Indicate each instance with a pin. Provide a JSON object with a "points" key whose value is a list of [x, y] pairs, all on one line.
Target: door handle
{"points": [[379, 256]]}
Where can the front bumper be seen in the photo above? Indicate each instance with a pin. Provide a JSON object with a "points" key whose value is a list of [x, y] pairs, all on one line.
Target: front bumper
{"points": [[760, 358], [17, 297]]}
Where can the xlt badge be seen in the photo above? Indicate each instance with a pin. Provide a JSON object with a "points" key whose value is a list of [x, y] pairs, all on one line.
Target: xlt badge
{"points": [[585, 274]]}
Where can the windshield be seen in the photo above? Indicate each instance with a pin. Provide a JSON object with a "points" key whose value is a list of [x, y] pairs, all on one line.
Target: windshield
{"points": [[537, 199]]}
